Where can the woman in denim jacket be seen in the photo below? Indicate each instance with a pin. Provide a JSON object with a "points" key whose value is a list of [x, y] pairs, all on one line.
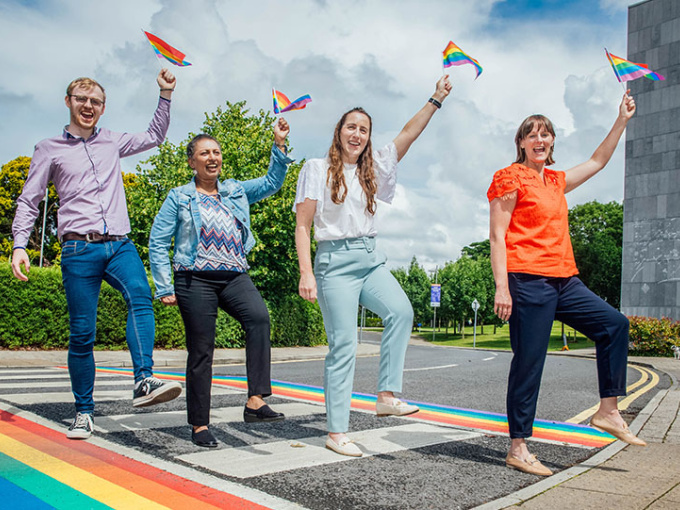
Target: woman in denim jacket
{"points": [[210, 222]]}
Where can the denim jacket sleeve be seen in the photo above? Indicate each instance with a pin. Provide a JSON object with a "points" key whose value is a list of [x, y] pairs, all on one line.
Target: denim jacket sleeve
{"points": [[162, 232], [267, 185]]}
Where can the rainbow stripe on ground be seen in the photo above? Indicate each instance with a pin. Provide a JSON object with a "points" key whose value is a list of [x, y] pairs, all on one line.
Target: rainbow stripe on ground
{"points": [[469, 418], [41, 469]]}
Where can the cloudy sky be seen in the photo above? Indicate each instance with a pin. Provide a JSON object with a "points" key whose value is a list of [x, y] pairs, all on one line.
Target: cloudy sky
{"points": [[539, 56]]}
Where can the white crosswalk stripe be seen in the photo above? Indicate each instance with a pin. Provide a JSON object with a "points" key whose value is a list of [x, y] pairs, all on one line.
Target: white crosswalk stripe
{"points": [[248, 461]]}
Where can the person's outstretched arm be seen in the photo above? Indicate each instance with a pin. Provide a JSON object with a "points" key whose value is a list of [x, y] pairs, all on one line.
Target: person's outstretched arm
{"points": [[304, 214], [417, 124], [134, 143], [581, 173], [268, 184]]}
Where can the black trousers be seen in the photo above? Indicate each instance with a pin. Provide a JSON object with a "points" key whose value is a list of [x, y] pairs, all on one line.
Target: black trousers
{"points": [[536, 302], [199, 293]]}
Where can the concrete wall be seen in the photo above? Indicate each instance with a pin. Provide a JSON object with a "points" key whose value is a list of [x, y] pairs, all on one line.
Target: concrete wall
{"points": [[650, 284]]}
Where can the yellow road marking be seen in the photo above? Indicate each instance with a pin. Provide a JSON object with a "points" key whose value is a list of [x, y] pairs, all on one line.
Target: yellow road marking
{"points": [[624, 403], [97, 488]]}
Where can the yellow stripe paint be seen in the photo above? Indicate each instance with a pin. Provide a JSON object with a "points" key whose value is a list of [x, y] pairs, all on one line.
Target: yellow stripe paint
{"points": [[624, 403], [95, 487]]}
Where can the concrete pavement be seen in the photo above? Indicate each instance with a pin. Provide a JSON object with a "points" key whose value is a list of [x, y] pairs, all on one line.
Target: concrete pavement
{"points": [[619, 476]]}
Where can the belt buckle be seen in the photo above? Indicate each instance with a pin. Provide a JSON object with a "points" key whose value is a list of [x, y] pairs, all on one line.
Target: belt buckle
{"points": [[369, 243], [90, 237]]}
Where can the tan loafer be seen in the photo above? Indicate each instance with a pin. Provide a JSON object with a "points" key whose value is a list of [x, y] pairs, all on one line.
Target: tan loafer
{"points": [[622, 433], [344, 447], [396, 408], [531, 465]]}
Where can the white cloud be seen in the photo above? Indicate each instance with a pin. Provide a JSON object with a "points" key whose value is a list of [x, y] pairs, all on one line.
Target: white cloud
{"points": [[383, 55]]}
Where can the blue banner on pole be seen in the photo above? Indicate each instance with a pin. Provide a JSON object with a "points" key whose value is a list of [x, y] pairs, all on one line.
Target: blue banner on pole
{"points": [[435, 294]]}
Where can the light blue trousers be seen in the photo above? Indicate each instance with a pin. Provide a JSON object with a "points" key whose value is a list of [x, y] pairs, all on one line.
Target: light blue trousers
{"points": [[350, 272]]}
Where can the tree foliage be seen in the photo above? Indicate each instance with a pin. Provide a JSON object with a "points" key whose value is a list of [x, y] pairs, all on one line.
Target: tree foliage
{"points": [[12, 178], [597, 237], [246, 140]]}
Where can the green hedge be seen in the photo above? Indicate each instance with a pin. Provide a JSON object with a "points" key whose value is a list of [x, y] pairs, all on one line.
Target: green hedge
{"points": [[653, 337], [34, 315]]}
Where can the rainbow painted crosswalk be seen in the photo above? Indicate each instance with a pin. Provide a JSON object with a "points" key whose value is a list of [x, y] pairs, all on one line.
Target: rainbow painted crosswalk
{"points": [[42, 469], [481, 420]]}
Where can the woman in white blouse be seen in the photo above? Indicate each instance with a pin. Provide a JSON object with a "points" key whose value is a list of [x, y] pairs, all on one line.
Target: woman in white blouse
{"points": [[338, 194]]}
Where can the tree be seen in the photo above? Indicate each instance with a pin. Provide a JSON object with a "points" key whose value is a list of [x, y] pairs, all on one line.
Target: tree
{"points": [[477, 250], [12, 178], [597, 237], [416, 285]]}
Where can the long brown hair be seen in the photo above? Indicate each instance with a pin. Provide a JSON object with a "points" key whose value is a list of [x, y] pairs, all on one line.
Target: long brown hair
{"points": [[365, 172], [526, 127]]}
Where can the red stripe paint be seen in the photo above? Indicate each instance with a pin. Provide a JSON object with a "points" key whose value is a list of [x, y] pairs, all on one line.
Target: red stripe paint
{"points": [[152, 483]]}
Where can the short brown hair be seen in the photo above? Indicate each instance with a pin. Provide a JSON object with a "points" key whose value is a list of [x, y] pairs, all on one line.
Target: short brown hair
{"points": [[526, 127], [86, 83]]}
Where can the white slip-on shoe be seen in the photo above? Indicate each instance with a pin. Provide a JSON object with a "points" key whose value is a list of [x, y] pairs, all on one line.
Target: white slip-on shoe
{"points": [[396, 408], [344, 447]]}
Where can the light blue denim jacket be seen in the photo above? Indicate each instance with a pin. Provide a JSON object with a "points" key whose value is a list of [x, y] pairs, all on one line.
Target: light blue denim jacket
{"points": [[180, 217]]}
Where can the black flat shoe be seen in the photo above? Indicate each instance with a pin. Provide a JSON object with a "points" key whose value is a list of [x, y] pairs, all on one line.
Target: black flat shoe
{"points": [[264, 413], [204, 438]]}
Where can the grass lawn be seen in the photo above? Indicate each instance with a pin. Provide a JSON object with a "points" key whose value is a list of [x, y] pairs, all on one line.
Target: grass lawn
{"points": [[501, 340]]}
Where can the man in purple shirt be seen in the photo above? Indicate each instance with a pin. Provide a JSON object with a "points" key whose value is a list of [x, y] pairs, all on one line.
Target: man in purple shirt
{"points": [[84, 165]]}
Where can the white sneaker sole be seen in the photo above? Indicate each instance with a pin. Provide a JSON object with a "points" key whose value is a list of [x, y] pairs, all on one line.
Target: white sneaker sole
{"points": [[166, 393]]}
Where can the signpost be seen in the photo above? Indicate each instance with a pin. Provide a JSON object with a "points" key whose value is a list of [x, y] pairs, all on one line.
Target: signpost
{"points": [[475, 307], [435, 301]]}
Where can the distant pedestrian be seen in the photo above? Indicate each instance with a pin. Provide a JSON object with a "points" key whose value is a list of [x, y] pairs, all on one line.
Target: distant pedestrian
{"points": [[338, 194], [84, 165], [209, 220], [535, 273]]}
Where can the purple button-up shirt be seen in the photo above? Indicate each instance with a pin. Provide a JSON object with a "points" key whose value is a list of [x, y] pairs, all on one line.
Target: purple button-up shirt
{"points": [[88, 179]]}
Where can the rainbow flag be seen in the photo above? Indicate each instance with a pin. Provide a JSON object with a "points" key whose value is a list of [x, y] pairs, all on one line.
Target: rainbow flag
{"points": [[163, 49], [626, 70], [283, 104], [454, 56]]}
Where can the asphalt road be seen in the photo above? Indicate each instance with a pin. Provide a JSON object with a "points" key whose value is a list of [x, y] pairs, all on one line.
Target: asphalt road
{"points": [[411, 463]]}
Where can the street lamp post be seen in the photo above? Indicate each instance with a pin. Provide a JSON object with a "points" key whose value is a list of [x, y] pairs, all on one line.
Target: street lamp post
{"points": [[475, 307]]}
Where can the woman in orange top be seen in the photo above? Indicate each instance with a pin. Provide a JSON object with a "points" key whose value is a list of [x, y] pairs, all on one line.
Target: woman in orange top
{"points": [[535, 273]]}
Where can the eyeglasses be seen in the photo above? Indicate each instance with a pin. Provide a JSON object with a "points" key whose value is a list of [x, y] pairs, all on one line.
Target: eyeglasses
{"points": [[97, 103]]}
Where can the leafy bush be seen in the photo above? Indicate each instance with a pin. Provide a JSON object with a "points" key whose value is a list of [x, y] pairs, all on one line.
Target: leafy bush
{"points": [[653, 337], [34, 314]]}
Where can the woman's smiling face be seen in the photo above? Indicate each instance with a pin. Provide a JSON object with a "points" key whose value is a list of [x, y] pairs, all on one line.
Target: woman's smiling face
{"points": [[354, 135]]}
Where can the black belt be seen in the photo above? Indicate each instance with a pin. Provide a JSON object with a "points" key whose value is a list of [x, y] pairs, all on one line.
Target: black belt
{"points": [[92, 237]]}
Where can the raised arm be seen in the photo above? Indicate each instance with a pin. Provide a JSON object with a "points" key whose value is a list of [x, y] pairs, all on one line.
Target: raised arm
{"points": [[265, 186], [500, 213], [417, 124], [581, 173], [304, 215]]}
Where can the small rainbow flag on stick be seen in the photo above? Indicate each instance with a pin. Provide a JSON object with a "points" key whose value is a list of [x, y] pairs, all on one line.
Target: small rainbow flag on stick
{"points": [[626, 70], [163, 49], [283, 104], [454, 56]]}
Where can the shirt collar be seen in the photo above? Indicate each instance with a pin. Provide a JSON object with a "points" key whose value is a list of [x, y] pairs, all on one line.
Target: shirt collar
{"points": [[69, 136]]}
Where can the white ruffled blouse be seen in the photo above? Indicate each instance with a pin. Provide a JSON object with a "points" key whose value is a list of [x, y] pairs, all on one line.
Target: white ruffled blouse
{"points": [[350, 218]]}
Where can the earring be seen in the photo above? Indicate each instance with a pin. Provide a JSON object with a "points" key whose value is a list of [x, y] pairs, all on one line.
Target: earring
{"points": [[194, 171]]}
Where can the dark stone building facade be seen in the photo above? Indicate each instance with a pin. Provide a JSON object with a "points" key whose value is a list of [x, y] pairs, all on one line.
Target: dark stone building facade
{"points": [[650, 283]]}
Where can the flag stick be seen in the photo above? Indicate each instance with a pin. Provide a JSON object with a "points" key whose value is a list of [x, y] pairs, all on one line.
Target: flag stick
{"points": [[618, 77], [159, 57]]}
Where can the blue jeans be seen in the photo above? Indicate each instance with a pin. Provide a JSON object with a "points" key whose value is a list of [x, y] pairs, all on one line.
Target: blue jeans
{"points": [[84, 266]]}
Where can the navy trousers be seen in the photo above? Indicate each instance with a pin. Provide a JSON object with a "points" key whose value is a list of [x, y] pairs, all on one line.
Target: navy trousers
{"points": [[536, 302]]}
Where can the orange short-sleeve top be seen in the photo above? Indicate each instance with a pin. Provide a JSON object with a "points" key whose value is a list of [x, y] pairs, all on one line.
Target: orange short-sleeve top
{"points": [[537, 240]]}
